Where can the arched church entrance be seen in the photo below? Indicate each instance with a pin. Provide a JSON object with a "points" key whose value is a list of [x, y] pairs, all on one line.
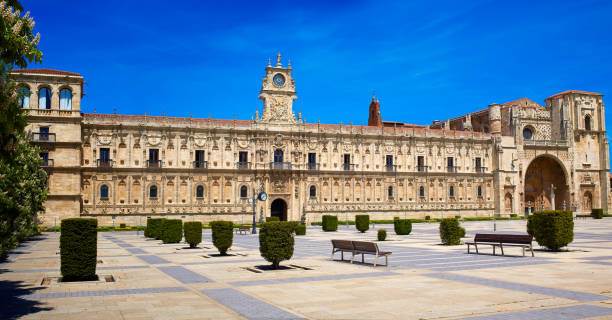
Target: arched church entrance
{"points": [[546, 185], [279, 209]]}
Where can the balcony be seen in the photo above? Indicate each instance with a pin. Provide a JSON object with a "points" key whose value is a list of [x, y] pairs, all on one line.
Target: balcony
{"points": [[243, 165], [46, 163], [43, 137], [200, 164], [104, 163], [422, 168], [348, 166], [451, 169], [546, 143], [391, 168], [280, 165], [154, 163], [313, 166], [481, 169]]}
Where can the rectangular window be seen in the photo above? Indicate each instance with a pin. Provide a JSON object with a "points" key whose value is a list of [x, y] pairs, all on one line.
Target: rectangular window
{"points": [[104, 154], [449, 162], [44, 156], [389, 160], [199, 156], [347, 158], [243, 156], [312, 158], [421, 164], [153, 155]]}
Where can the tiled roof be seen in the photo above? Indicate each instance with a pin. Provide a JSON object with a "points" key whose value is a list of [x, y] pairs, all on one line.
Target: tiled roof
{"points": [[561, 94], [47, 71], [522, 102]]}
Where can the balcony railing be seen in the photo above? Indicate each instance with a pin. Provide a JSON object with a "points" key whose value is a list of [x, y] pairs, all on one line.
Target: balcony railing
{"points": [[47, 163], [200, 164], [451, 169], [104, 163], [154, 163], [243, 165], [481, 169], [422, 168], [546, 143], [280, 165], [43, 137], [390, 167], [313, 166], [348, 166]]}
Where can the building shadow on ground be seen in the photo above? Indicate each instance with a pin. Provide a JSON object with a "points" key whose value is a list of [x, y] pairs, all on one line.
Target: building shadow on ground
{"points": [[13, 304]]}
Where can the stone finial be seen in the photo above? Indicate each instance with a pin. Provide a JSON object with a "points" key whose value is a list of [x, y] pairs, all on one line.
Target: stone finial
{"points": [[269, 62], [278, 61], [289, 64], [256, 114], [300, 115]]}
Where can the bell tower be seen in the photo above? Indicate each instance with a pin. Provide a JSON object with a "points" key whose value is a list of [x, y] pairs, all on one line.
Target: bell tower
{"points": [[278, 93]]}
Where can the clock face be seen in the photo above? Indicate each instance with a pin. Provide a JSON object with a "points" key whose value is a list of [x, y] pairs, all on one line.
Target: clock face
{"points": [[278, 80], [263, 196]]}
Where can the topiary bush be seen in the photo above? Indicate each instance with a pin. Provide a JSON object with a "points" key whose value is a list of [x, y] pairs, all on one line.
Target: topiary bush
{"points": [[552, 229], [173, 231], [382, 234], [427, 218], [597, 213], [513, 215], [329, 223], [122, 225], [276, 242], [193, 233], [402, 226], [451, 232], [222, 235], [362, 222], [78, 249], [271, 219], [154, 228], [300, 230]]}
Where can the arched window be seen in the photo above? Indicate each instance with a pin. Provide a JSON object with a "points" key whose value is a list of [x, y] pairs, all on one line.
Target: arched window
{"points": [[313, 191], [421, 192], [65, 99], [104, 192], [153, 192], [200, 192], [278, 155], [587, 122], [527, 133], [243, 192], [44, 98], [390, 192], [24, 97], [451, 191], [479, 191]]}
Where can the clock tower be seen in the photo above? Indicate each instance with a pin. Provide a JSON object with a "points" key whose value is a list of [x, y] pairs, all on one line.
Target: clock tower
{"points": [[278, 93]]}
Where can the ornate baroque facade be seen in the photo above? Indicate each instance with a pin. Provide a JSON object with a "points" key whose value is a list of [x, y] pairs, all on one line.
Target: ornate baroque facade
{"points": [[508, 158]]}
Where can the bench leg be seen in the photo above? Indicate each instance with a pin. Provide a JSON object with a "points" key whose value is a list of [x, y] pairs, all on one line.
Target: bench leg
{"points": [[362, 258], [353, 257], [342, 255], [468, 247], [501, 246], [523, 251], [386, 260], [531, 247], [375, 260], [332, 257], [493, 250], [476, 246]]}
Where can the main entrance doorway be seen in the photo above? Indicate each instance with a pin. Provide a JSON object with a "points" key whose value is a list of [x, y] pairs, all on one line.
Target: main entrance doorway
{"points": [[545, 184], [279, 209]]}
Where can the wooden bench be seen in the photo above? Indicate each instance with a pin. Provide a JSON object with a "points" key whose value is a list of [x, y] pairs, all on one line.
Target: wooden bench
{"points": [[359, 247], [243, 229], [584, 216], [500, 240]]}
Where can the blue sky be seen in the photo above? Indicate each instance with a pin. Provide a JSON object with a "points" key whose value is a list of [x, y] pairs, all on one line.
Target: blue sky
{"points": [[425, 61]]}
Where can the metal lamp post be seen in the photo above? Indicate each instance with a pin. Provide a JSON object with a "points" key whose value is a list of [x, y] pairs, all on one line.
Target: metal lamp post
{"points": [[261, 195]]}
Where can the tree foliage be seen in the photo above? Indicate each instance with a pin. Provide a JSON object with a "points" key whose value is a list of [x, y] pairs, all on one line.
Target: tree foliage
{"points": [[22, 182]]}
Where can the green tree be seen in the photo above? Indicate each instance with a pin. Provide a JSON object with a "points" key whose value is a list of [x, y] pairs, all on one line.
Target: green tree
{"points": [[22, 182]]}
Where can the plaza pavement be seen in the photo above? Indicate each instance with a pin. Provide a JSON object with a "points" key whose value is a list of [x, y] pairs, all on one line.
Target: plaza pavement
{"points": [[424, 280]]}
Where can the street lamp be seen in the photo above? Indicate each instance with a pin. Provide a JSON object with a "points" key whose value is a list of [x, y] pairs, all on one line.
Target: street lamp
{"points": [[261, 196]]}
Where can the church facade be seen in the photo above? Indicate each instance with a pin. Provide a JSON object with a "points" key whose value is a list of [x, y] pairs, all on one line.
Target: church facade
{"points": [[509, 158]]}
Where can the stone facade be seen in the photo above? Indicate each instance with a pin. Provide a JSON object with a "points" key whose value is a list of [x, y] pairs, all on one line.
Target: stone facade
{"points": [[496, 161]]}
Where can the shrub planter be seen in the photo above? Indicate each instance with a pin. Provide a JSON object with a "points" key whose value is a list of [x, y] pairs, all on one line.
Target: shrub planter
{"points": [[552, 229], [362, 222], [276, 242], [173, 231], [451, 232], [382, 235], [222, 235], [329, 223], [79, 249], [154, 228], [597, 213], [300, 230], [271, 219], [402, 226], [193, 233]]}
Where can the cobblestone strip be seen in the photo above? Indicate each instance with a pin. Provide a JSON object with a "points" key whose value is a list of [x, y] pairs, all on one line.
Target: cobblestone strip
{"points": [[246, 305], [567, 294], [98, 293], [562, 313], [184, 275], [312, 279], [151, 259]]}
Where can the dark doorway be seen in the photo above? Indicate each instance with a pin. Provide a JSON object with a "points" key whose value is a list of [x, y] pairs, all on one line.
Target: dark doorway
{"points": [[279, 209]]}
